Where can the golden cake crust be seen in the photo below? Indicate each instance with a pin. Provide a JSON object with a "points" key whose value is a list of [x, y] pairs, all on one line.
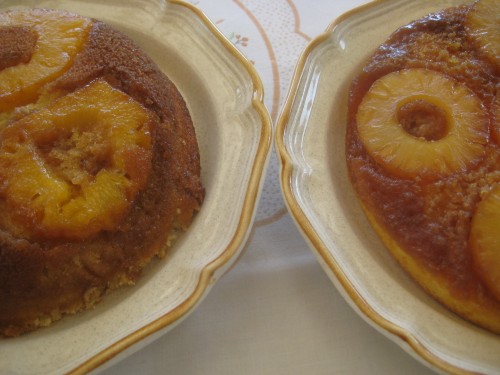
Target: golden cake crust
{"points": [[425, 220], [18, 43], [41, 279]]}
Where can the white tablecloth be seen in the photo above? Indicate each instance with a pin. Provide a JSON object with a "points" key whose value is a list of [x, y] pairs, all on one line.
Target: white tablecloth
{"points": [[276, 311]]}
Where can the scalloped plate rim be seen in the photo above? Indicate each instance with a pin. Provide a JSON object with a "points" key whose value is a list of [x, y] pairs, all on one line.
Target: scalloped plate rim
{"points": [[218, 266], [404, 338]]}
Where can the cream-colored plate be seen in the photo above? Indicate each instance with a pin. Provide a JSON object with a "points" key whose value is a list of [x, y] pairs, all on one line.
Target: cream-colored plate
{"points": [[225, 97], [310, 142]]}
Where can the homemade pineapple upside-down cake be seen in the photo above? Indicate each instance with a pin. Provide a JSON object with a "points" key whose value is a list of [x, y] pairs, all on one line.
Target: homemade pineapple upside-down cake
{"points": [[99, 165], [423, 154]]}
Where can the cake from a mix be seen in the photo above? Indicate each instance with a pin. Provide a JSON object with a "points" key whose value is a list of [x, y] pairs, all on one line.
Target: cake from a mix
{"points": [[423, 154], [99, 165]]}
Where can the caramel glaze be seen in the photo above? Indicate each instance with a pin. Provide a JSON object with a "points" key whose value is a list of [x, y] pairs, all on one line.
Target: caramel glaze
{"points": [[430, 220], [40, 281]]}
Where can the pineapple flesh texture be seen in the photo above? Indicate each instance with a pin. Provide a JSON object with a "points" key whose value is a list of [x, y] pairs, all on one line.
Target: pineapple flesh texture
{"points": [[59, 39], [483, 23], [485, 241], [422, 151], [73, 168]]}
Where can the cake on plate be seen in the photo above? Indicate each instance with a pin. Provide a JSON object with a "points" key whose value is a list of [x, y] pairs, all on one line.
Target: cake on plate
{"points": [[99, 165]]}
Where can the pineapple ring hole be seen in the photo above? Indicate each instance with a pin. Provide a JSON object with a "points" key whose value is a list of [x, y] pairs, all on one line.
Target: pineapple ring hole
{"points": [[73, 168], [455, 112], [422, 119], [77, 155]]}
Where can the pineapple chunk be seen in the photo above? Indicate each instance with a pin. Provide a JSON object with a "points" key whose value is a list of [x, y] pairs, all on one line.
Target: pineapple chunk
{"points": [[483, 24], [59, 39], [485, 240], [73, 168], [383, 116]]}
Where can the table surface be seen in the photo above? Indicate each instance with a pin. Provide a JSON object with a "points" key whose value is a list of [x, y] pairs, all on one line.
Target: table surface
{"points": [[276, 311]]}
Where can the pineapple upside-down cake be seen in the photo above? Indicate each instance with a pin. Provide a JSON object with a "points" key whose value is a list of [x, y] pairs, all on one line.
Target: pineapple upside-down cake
{"points": [[423, 154], [99, 165]]}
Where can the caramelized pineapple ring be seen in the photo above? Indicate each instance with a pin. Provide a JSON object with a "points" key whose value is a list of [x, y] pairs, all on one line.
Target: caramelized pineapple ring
{"points": [[483, 23], [460, 117], [74, 167], [485, 240], [60, 36]]}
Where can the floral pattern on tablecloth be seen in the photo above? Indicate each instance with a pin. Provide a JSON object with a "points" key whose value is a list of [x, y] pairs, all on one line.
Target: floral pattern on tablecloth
{"points": [[268, 34]]}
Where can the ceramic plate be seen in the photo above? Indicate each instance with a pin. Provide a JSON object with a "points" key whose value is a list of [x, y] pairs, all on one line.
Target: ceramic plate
{"points": [[225, 98], [310, 142]]}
